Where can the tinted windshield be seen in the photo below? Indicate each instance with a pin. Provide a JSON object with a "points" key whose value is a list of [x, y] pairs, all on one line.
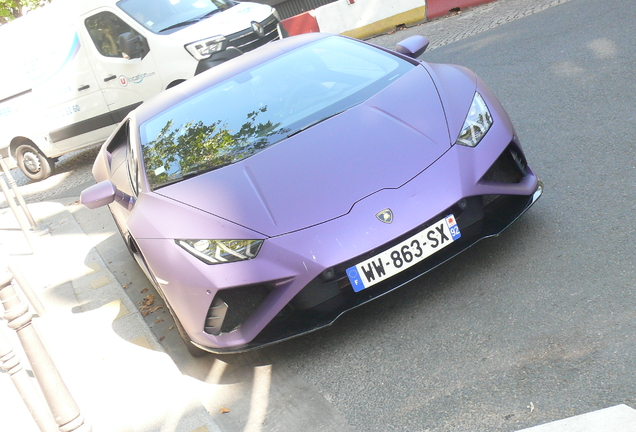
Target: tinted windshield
{"points": [[238, 118], [161, 14]]}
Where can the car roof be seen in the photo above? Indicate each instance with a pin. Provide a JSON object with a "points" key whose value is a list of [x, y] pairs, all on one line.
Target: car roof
{"points": [[220, 73]]}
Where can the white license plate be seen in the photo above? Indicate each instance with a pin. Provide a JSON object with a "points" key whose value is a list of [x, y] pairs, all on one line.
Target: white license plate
{"points": [[404, 255]]}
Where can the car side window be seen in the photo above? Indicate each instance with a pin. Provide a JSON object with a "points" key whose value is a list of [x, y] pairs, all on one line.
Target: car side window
{"points": [[117, 147], [105, 28]]}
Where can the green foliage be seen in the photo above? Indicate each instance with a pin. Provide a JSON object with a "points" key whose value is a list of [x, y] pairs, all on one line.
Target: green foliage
{"points": [[12, 9]]}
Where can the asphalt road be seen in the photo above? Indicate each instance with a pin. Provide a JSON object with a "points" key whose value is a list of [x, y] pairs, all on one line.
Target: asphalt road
{"points": [[538, 324], [530, 327]]}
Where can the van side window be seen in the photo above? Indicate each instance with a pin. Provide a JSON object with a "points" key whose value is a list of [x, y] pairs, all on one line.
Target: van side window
{"points": [[105, 29]]}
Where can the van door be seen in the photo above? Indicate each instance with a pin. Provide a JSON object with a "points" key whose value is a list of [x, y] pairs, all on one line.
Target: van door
{"points": [[126, 78], [75, 100], [53, 84]]}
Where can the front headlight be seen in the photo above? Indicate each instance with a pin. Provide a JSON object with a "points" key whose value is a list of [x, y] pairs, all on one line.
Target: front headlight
{"points": [[205, 48], [221, 251], [477, 123]]}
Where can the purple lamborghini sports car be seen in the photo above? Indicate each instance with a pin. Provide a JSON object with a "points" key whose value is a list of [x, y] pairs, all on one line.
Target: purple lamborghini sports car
{"points": [[269, 195]]}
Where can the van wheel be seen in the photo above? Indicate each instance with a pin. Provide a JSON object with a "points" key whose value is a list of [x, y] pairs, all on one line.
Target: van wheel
{"points": [[33, 163]]}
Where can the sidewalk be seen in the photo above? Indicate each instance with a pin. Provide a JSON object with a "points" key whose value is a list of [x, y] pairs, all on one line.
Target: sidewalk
{"points": [[112, 363]]}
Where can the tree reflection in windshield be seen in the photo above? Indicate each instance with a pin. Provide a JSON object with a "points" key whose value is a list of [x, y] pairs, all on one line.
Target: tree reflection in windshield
{"points": [[180, 151]]}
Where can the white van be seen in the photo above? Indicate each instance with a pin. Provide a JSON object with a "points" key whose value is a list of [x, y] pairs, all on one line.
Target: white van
{"points": [[71, 70]]}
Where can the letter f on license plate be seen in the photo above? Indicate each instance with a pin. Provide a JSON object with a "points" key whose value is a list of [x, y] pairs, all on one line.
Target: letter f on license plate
{"points": [[404, 255]]}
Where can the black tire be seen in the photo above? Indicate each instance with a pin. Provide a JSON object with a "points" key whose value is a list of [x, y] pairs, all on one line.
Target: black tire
{"points": [[193, 350], [33, 163]]}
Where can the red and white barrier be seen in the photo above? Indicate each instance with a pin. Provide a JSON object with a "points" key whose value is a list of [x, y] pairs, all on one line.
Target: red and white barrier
{"points": [[299, 24], [364, 18]]}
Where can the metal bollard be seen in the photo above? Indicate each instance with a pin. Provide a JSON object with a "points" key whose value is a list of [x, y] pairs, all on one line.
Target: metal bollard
{"points": [[16, 213], [17, 193], [10, 362], [63, 407]]}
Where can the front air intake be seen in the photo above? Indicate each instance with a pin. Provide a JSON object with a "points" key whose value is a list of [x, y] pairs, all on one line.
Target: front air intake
{"points": [[510, 167], [216, 316], [231, 307]]}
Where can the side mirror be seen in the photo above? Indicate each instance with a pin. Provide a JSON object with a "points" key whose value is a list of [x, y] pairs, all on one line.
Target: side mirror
{"points": [[413, 46], [104, 193], [133, 46]]}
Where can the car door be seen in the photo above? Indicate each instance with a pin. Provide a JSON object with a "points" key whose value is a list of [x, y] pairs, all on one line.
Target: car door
{"points": [[121, 160], [125, 175], [126, 79]]}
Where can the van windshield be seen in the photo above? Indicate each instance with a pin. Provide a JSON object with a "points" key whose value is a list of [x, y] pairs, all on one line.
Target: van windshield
{"points": [[171, 14]]}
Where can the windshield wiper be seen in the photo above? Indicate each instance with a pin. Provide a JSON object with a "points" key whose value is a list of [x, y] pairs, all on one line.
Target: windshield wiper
{"points": [[314, 123], [209, 14], [192, 21], [181, 24]]}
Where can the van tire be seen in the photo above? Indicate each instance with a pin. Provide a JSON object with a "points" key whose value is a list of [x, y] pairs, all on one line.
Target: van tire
{"points": [[33, 163]]}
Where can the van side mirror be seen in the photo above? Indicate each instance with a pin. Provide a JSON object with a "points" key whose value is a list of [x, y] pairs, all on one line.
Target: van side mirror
{"points": [[133, 46], [413, 46]]}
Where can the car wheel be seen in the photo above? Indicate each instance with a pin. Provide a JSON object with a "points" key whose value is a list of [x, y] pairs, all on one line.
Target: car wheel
{"points": [[33, 163]]}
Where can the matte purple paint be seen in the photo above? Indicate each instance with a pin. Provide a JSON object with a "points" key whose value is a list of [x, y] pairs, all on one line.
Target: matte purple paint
{"points": [[413, 46], [99, 195]]}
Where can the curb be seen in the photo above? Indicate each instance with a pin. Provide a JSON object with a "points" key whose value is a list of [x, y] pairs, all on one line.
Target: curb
{"points": [[438, 8], [407, 18]]}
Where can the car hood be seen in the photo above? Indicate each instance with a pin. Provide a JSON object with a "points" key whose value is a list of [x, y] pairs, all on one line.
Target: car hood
{"points": [[320, 173]]}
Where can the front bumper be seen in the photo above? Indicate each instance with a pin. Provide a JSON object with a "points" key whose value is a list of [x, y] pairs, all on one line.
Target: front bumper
{"points": [[321, 302]]}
